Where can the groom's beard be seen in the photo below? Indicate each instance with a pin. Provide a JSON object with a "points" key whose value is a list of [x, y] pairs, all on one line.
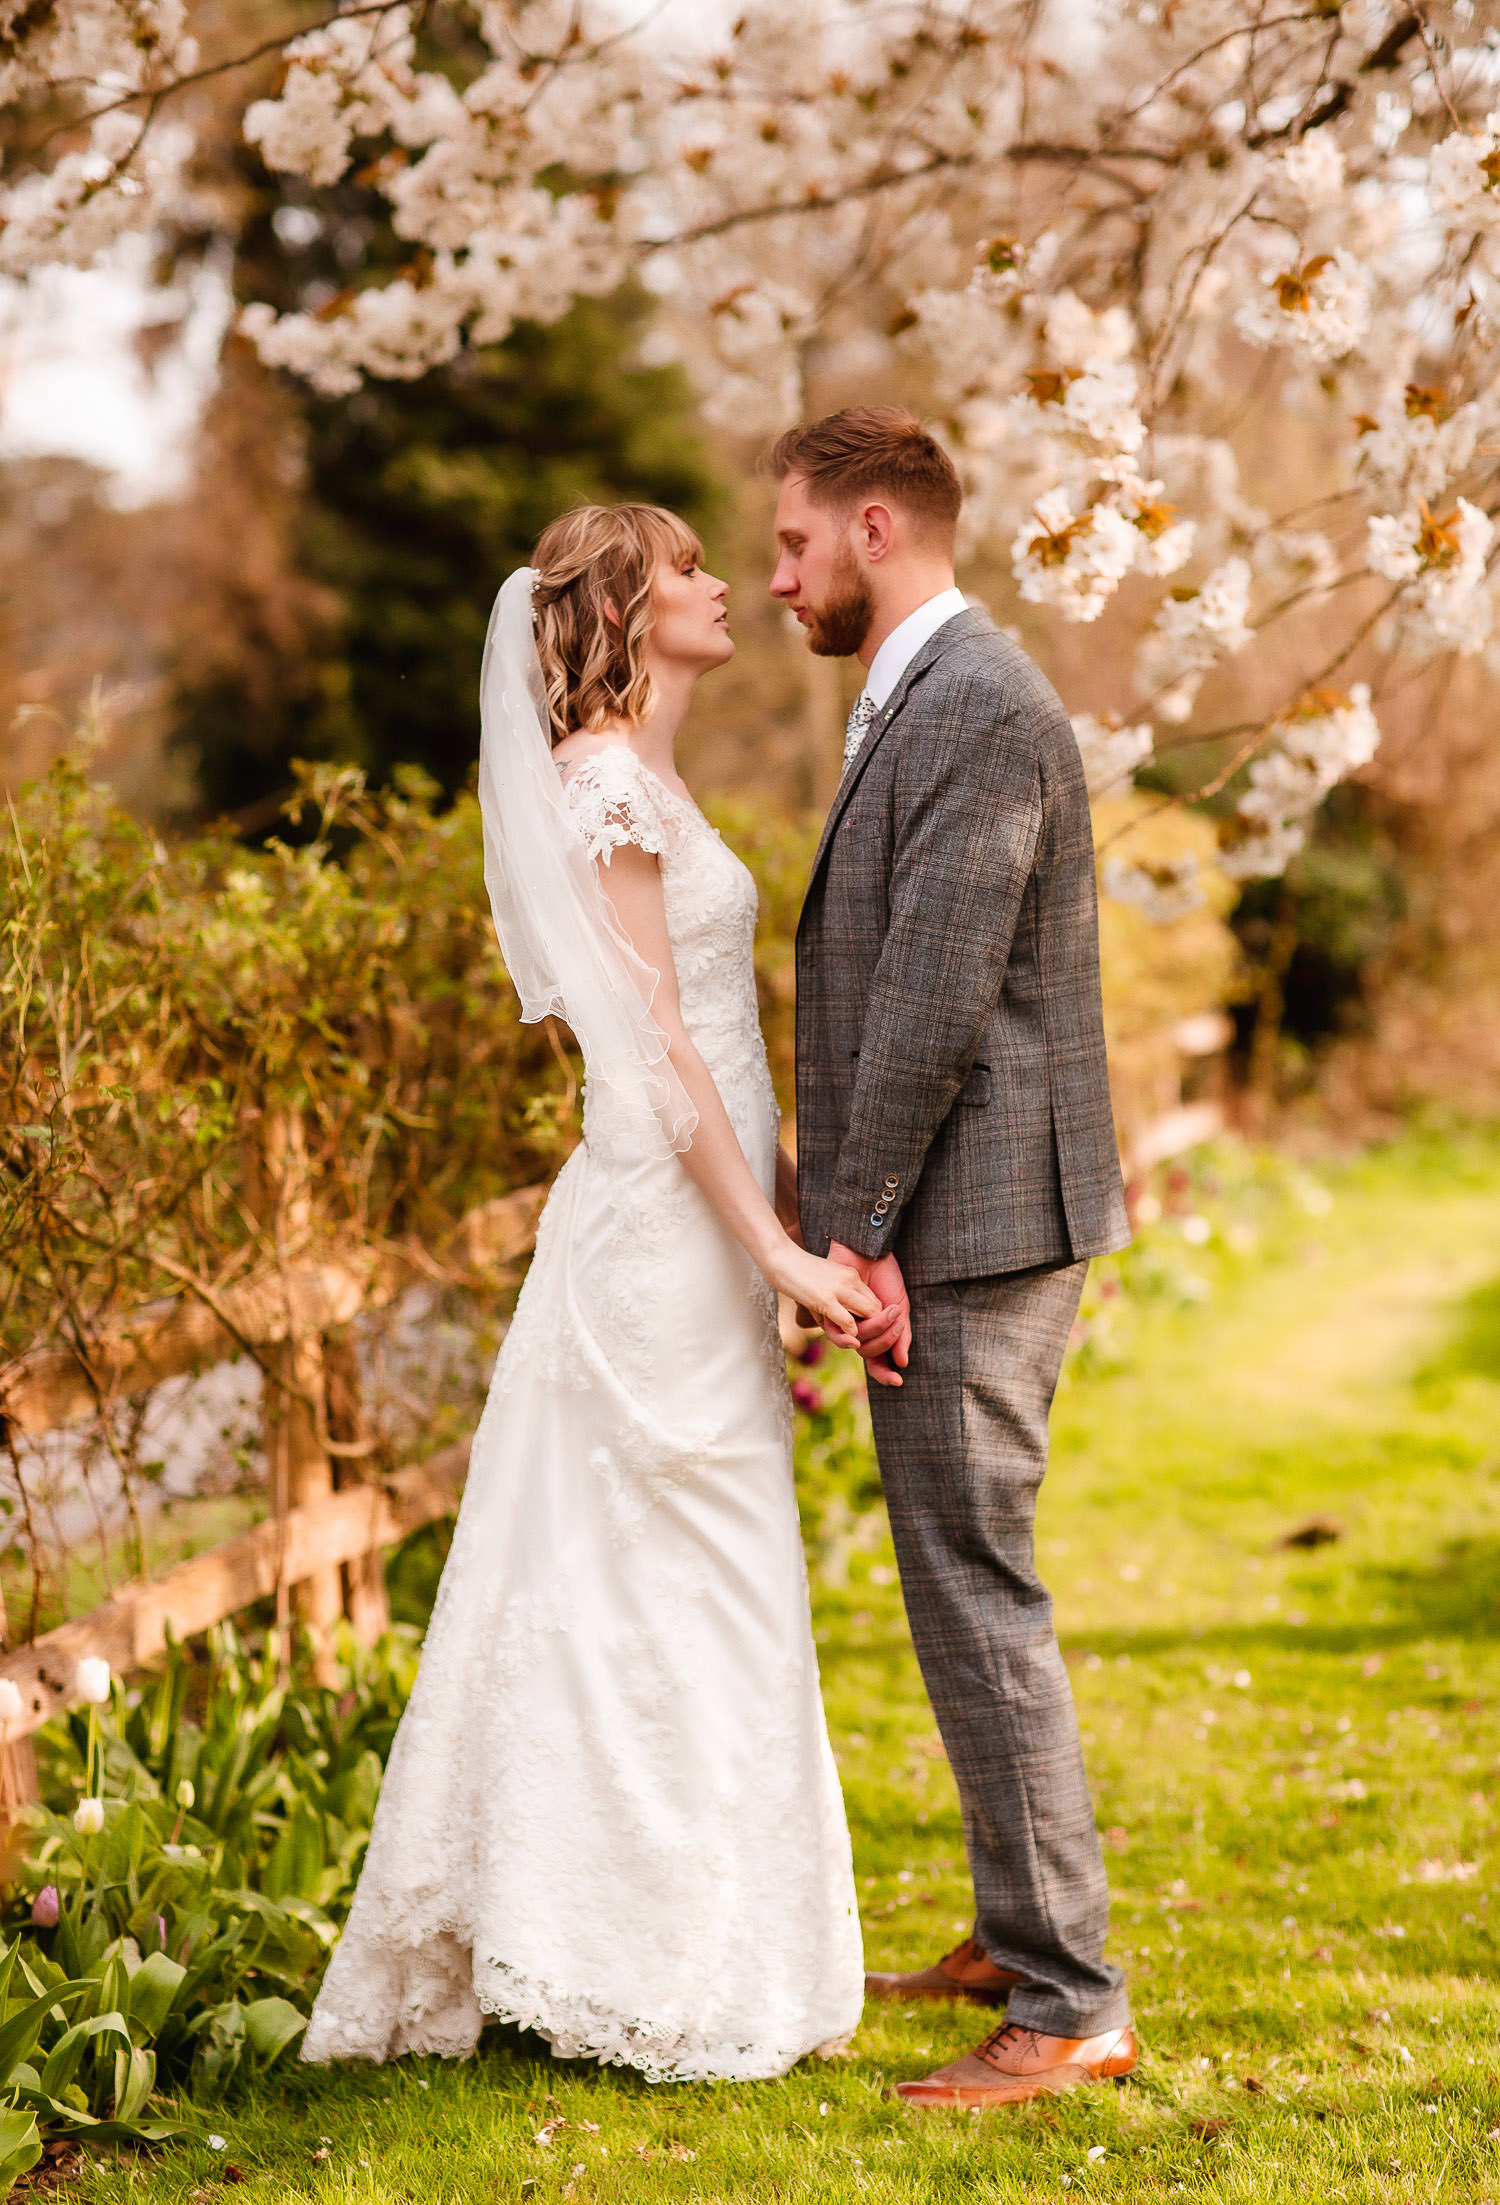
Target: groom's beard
{"points": [[837, 627]]}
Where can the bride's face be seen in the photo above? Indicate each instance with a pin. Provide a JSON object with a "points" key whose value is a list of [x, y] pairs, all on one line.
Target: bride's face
{"points": [[689, 624]]}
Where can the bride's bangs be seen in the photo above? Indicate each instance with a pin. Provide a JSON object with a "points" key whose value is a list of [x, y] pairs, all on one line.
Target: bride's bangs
{"points": [[595, 570]]}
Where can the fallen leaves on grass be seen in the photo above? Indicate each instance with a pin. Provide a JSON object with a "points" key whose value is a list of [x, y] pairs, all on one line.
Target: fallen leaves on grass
{"points": [[1318, 1531]]}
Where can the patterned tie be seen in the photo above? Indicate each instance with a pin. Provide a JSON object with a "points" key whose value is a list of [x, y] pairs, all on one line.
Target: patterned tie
{"points": [[859, 726]]}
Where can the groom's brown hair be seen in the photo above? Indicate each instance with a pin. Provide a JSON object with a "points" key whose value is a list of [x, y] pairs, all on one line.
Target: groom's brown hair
{"points": [[869, 449]]}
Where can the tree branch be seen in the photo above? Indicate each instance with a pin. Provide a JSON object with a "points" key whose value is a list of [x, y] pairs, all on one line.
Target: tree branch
{"points": [[157, 93]]}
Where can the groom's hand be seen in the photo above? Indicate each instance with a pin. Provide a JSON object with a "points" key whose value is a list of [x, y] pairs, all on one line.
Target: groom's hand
{"points": [[885, 1338]]}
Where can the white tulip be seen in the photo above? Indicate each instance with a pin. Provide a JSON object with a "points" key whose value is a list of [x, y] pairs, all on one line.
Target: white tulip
{"points": [[91, 1680], [88, 1817], [12, 1706], [185, 1793]]}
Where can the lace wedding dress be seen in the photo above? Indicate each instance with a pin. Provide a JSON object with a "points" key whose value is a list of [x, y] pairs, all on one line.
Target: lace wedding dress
{"points": [[611, 1813]]}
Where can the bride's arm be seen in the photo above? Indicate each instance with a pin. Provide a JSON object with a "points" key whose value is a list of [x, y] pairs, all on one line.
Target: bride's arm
{"points": [[714, 1161], [787, 1208]]}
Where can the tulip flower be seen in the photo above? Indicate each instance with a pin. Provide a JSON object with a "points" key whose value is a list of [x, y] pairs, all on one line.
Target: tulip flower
{"points": [[44, 1907], [807, 1396], [91, 1680], [88, 1817], [185, 1794]]}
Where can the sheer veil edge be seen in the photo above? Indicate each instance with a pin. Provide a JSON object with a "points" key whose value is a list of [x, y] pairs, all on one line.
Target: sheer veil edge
{"points": [[562, 944]]}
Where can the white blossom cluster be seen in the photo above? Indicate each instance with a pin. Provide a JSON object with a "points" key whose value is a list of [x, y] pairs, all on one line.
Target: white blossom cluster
{"points": [[1104, 244], [1413, 445], [1092, 406], [1163, 892], [1192, 631], [1074, 561], [1322, 308], [120, 177], [1111, 754], [104, 46], [1444, 559], [1328, 737], [1406, 545], [1311, 172], [1462, 178]]}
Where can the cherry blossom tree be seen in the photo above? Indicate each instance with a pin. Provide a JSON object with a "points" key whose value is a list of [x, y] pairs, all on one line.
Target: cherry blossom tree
{"points": [[1102, 232]]}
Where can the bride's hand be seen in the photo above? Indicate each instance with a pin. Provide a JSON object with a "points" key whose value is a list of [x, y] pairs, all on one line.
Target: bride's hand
{"points": [[835, 1293]]}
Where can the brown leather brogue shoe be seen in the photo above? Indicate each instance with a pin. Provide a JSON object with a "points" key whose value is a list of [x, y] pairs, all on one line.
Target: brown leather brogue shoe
{"points": [[965, 1972], [1018, 2063]]}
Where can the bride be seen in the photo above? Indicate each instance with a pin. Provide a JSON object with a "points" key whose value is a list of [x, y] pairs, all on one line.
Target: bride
{"points": [[611, 1812]]}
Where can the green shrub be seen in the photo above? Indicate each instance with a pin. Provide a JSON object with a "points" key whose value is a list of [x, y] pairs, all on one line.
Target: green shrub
{"points": [[180, 1943]]}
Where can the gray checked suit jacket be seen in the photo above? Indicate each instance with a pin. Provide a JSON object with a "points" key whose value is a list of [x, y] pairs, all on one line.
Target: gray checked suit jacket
{"points": [[952, 1092]]}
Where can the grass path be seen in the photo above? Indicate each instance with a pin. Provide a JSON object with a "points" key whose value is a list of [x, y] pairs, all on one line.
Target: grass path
{"points": [[1296, 1759]]}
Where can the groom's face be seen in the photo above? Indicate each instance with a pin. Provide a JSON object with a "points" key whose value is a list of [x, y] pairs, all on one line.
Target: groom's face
{"points": [[818, 573]]}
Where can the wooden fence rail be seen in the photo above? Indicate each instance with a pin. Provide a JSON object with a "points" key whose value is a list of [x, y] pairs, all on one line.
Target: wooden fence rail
{"points": [[134, 1625], [320, 1550], [56, 1386]]}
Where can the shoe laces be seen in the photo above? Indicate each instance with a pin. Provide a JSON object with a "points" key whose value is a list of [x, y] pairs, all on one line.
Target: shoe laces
{"points": [[1009, 2034]]}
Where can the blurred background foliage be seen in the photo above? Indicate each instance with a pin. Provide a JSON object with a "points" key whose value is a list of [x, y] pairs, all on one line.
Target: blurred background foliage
{"points": [[321, 589], [414, 499]]}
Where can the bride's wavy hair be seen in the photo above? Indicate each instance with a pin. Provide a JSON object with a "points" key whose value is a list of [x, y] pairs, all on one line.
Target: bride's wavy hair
{"points": [[592, 604]]}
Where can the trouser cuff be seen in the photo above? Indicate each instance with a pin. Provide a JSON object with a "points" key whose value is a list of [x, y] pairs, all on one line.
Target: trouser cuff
{"points": [[1050, 2017]]}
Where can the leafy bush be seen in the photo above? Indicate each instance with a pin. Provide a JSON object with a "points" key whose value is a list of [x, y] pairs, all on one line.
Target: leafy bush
{"points": [[165, 1013], [180, 1888], [155, 1005]]}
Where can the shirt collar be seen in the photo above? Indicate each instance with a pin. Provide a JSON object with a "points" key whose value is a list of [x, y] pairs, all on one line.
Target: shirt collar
{"points": [[904, 641]]}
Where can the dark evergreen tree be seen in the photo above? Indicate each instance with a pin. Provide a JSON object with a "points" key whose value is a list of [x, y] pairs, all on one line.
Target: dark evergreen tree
{"points": [[419, 499]]}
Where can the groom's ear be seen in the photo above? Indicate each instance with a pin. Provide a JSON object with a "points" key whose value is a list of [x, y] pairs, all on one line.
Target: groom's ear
{"points": [[877, 528]]}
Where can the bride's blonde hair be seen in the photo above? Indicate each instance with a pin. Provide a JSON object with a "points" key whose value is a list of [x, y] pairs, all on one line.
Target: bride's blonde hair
{"points": [[592, 601]]}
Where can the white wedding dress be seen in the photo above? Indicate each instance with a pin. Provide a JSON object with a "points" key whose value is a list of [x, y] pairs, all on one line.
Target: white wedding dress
{"points": [[611, 1813]]}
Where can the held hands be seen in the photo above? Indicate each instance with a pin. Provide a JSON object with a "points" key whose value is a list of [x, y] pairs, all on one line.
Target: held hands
{"points": [[883, 1339], [833, 1291]]}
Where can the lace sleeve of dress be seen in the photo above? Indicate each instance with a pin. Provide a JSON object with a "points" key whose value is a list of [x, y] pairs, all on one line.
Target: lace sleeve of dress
{"points": [[614, 800]]}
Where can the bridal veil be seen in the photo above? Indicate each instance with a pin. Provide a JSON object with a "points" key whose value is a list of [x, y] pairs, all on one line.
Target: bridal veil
{"points": [[562, 944]]}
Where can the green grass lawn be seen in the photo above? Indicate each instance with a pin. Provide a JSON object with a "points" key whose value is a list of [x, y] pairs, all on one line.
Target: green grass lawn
{"points": [[1296, 1762]]}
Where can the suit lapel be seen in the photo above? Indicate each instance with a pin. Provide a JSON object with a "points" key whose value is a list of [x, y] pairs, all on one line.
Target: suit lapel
{"points": [[964, 623]]}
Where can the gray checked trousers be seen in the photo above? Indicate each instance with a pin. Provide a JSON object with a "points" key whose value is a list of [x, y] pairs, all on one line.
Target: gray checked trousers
{"points": [[963, 1448]]}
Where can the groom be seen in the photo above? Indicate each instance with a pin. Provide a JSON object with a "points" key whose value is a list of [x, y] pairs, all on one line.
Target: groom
{"points": [[955, 1145]]}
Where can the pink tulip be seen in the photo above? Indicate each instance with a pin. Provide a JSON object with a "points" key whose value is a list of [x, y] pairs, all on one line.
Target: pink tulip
{"points": [[807, 1396], [815, 1350], [44, 1907]]}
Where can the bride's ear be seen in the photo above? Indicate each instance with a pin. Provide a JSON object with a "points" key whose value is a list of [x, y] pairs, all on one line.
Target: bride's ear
{"points": [[611, 612]]}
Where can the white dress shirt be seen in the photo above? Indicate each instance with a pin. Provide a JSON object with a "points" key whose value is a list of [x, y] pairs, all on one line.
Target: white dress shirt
{"points": [[903, 643]]}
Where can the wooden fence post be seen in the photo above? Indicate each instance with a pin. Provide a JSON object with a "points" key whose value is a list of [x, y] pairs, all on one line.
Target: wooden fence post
{"points": [[18, 1784], [320, 1553], [365, 1600], [298, 1463]]}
